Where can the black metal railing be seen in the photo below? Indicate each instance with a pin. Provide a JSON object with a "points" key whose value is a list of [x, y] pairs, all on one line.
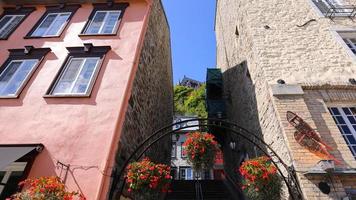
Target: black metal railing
{"points": [[333, 10]]}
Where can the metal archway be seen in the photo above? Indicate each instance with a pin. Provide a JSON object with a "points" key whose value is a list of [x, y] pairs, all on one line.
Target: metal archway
{"points": [[290, 181]]}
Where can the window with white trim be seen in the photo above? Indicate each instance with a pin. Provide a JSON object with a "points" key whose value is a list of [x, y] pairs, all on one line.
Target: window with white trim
{"points": [[8, 23], [104, 22], [345, 119], [52, 25], [76, 76], [14, 76]]}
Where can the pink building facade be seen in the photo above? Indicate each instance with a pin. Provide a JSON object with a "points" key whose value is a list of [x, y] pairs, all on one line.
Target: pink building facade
{"points": [[67, 78]]}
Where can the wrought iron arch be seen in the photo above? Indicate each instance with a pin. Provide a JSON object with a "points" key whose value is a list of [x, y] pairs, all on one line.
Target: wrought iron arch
{"points": [[290, 181]]}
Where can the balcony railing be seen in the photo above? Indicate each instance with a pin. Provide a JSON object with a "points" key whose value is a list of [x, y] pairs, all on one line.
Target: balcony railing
{"points": [[333, 10]]}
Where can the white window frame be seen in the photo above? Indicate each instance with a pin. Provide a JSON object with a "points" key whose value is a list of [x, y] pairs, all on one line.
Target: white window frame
{"points": [[347, 122], [103, 23], [7, 24], [24, 81], [14, 167], [49, 28], [336, 33], [90, 83]]}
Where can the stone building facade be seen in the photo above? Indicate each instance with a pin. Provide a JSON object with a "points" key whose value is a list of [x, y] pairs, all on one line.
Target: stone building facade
{"points": [[82, 83], [261, 42]]}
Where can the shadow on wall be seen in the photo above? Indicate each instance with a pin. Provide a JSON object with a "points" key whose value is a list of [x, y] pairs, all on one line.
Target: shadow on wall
{"points": [[241, 108]]}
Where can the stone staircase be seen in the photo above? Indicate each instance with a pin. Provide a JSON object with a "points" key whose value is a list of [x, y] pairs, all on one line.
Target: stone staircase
{"points": [[211, 189]]}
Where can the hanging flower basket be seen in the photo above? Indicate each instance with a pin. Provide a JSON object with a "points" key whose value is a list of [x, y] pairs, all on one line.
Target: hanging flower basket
{"points": [[146, 180], [45, 188], [260, 179], [201, 149]]}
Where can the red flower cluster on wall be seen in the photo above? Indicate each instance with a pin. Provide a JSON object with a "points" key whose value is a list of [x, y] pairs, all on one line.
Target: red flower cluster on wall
{"points": [[44, 188], [146, 176], [201, 149]]}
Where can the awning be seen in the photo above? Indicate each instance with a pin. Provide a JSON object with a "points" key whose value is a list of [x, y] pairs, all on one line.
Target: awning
{"points": [[9, 154]]}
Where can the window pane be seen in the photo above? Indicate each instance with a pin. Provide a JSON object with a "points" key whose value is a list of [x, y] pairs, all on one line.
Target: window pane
{"points": [[335, 111], [67, 79], [4, 20], [353, 110], [351, 139], [345, 129], [346, 111], [110, 23], [340, 120], [352, 119], [85, 75], [96, 23], [189, 174], [58, 24], [41, 30]]}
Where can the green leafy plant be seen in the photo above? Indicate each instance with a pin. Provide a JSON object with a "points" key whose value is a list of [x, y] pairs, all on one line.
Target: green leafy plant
{"points": [[147, 179], [188, 101], [201, 149], [45, 188], [260, 179]]}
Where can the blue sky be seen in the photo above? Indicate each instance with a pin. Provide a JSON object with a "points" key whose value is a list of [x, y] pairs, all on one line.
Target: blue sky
{"points": [[192, 35]]}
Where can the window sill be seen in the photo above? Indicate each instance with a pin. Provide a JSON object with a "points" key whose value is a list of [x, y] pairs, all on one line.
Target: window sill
{"points": [[39, 37], [9, 97], [86, 35], [66, 96]]}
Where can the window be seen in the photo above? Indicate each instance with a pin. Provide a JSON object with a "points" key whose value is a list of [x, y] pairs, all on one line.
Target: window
{"points": [[105, 19], [8, 23], [349, 37], [182, 150], [17, 70], [104, 22], [52, 25], [53, 22], [174, 150], [77, 76], [186, 173], [11, 19], [14, 75], [345, 119]]}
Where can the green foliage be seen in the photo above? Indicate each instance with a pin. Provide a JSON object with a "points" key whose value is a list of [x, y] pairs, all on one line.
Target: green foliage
{"points": [[188, 101]]}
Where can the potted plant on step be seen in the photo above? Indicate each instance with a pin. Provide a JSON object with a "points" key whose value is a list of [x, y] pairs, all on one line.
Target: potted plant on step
{"points": [[146, 179], [260, 179]]}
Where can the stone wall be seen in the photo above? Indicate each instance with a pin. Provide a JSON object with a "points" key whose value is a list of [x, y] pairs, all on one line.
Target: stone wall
{"points": [[268, 36], [151, 102]]}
